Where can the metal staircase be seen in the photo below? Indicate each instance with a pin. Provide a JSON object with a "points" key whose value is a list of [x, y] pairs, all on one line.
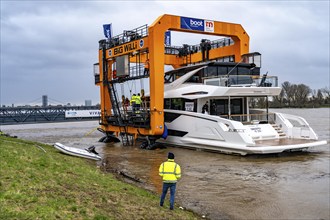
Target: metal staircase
{"points": [[115, 104], [127, 139]]}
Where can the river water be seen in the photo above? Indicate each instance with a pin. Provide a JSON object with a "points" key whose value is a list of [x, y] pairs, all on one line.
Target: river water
{"points": [[285, 186]]}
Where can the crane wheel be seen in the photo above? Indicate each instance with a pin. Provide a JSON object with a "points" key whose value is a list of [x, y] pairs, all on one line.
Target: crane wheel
{"points": [[144, 145]]}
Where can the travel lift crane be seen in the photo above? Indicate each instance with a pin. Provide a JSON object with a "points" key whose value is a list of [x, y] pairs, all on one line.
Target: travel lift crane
{"points": [[121, 60]]}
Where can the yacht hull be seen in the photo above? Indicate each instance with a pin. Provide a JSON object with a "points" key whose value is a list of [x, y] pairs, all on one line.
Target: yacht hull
{"points": [[213, 133]]}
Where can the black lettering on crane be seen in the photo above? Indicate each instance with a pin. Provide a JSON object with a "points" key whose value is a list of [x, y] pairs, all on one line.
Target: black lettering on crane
{"points": [[118, 50], [129, 47]]}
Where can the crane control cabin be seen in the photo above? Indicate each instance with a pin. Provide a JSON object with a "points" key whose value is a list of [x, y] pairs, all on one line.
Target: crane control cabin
{"points": [[122, 59]]}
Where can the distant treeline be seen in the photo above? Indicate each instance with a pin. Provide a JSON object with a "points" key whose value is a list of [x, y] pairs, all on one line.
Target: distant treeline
{"points": [[297, 96]]}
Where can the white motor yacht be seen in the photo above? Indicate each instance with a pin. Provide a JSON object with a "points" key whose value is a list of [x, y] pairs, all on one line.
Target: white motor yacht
{"points": [[229, 124]]}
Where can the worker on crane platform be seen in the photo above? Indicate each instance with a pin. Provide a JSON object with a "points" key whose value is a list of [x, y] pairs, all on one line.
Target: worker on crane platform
{"points": [[138, 102], [133, 99], [146, 67]]}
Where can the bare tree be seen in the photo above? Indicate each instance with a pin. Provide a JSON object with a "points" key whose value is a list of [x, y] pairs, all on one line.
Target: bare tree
{"points": [[313, 100], [319, 97], [293, 95], [286, 87], [326, 94], [279, 100], [301, 94]]}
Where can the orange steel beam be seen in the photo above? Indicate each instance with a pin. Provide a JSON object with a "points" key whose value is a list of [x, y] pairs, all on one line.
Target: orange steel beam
{"points": [[154, 45], [157, 57]]}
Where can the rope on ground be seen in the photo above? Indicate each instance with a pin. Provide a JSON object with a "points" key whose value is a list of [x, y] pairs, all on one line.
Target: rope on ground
{"points": [[40, 148], [94, 129], [16, 142]]}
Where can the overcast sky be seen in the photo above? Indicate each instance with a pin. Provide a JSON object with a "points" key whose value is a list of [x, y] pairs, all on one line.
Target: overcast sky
{"points": [[49, 47]]}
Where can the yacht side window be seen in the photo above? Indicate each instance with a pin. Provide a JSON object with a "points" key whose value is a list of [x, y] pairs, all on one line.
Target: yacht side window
{"points": [[212, 71], [167, 103], [222, 70], [177, 104], [180, 104]]}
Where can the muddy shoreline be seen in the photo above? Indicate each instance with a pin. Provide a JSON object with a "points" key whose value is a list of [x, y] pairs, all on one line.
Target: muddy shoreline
{"points": [[122, 174]]}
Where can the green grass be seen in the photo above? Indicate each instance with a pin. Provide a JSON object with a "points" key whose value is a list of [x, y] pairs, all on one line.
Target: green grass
{"points": [[35, 184]]}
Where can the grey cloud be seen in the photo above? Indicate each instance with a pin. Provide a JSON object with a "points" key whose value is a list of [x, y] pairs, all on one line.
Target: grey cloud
{"points": [[49, 47]]}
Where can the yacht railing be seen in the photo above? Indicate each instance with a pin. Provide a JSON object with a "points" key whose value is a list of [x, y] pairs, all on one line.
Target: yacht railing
{"points": [[241, 81], [295, 126], [258, 118]]}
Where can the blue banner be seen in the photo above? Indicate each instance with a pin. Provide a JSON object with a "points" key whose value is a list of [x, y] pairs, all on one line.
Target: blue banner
{"points": [[107, 29], [192, 24], [165, 132], [167, 40]]}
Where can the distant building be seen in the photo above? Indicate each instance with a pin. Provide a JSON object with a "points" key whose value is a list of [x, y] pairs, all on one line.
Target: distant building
{"points": [[88, 102], [44, 101]]}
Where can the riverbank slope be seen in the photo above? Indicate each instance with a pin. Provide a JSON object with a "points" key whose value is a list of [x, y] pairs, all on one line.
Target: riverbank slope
{"points": [[39, 182]]}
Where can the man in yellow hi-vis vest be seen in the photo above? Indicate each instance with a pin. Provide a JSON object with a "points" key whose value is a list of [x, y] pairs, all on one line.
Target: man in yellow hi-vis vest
{"points": [[171, 172], [133, 102]]}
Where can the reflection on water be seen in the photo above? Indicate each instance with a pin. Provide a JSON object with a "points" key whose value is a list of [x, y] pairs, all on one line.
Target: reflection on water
{"points": [[285, 186]]}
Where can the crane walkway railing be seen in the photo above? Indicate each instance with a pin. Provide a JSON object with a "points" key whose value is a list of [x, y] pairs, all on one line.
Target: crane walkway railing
{"points": [[127, 36], [190, 49]]}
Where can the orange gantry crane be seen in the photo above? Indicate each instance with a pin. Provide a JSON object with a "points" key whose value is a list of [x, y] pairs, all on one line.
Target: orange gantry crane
{"points": [[122, 58]]}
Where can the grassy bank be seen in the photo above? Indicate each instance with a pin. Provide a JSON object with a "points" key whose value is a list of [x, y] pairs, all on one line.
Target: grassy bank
{"points": [[38, 182]]}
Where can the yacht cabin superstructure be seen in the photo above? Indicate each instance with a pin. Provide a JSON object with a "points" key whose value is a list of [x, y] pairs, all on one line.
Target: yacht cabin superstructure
{"points": [[235, 84]]}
